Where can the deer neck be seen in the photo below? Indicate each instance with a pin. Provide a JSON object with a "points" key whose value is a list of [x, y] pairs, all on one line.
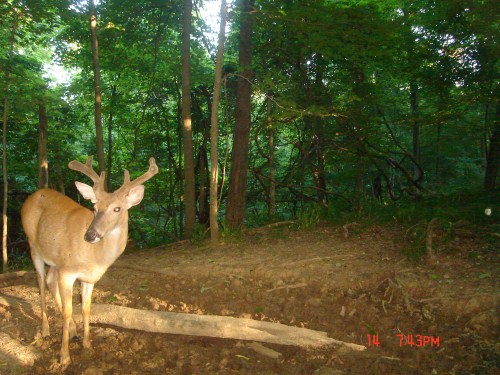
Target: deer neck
{"points": [[113, 244]]}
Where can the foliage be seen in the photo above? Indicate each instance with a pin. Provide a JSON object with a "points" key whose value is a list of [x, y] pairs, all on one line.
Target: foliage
{"points": [[335, 75]]}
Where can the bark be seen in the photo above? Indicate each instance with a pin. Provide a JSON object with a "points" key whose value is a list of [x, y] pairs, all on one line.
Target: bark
{"points": [[202, 166], [189, 178], [214, 130], [272, 163], [493, 156], [173, 167], [97, 87], [4, 143], [5, 180], [110, 137], [43, 165], [235, 210], [485, 134], [60, 180]]}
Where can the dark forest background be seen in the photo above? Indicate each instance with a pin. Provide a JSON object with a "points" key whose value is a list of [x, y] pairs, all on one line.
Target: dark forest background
{"points": [[340, 110]]}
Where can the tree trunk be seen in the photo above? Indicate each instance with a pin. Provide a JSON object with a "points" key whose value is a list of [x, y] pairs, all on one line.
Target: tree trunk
{"points": [[235, 210], [493, 156], [110, 137], [4, 173], [172, 167], [416, 126], [485, 134], [12, 40], [203, 194], [97, 88], [43, 165], [189, 178], [214, 130], [272, 163], [60, 180]]}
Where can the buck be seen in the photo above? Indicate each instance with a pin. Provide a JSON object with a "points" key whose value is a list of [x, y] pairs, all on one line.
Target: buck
{"points": [[77, 243]]}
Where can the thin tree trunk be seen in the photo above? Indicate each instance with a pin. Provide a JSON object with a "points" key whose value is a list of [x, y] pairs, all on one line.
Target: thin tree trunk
{"points": [[485, 135], [203, 207], [5, 181], [493, 156], [110, 137], [4, 143], [43, 165], [60, 181], [235, 210], [172, 167], [189, 178], [180, 175], [97, 87], [272, 163], [214, 130]]}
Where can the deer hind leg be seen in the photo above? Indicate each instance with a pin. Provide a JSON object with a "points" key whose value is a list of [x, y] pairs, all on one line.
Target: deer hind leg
{"points": [[53, 284], [65, 283], [40, 270], [86, 300]]}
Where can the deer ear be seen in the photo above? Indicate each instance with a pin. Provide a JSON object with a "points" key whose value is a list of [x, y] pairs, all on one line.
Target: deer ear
{"points": [[86, 191], [135, 195]]}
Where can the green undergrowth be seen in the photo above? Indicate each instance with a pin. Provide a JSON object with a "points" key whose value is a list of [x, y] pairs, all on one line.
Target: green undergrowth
{"points": [[472, 211], [475, 210]]}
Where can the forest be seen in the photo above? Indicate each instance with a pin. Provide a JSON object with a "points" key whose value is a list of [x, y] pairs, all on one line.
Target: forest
{"points": [[269, 120], [326, 107]]}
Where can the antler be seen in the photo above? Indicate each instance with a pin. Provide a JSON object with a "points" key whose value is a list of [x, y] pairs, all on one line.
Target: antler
{"points": [[127, 184], [88, 171]]}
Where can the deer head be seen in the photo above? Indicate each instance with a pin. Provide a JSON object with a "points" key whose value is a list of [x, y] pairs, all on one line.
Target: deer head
{"points": [[110, 209]]}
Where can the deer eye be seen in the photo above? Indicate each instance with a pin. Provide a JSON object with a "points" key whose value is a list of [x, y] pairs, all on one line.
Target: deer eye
{"points": [[117, 209]]}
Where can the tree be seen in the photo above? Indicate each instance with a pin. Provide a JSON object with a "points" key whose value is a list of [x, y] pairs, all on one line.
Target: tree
{"points": [[235, 210], [214, 130], [189, 177], [493, 156], [43, 164], [97, 87], [5, 118]]}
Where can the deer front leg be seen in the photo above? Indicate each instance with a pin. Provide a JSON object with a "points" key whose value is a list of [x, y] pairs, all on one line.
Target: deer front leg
{"points": [[66, 292], [86, 301]]}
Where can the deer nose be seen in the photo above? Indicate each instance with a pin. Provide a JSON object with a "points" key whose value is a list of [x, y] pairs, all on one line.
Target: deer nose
{"points": [[92, 236]]}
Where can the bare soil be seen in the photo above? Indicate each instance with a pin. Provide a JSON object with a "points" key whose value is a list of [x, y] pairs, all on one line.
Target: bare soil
{"points": [[414, 318]]}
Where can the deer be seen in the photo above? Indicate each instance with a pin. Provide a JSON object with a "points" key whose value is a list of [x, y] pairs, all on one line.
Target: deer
{"points": [[78, 243]]}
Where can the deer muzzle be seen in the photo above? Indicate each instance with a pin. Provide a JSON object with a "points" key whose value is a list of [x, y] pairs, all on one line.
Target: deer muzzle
{"points": [[92, 236]]}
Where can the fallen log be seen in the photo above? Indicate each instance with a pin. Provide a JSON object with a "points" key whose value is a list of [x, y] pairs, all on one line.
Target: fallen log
{"points": [[212, 326], [14, 275], [202, 325]]}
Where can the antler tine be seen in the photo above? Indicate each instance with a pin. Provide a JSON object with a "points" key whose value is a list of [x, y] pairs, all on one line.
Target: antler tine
{"points": [[88, 171], [152, 170], [126, 177]]}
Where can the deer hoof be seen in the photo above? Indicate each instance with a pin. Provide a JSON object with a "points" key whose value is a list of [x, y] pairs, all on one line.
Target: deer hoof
{"points": [[65, 360], [86, 344]]}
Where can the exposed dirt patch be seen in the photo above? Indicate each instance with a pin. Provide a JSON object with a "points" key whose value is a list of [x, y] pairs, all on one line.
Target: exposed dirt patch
{"points": [[352, 288]]}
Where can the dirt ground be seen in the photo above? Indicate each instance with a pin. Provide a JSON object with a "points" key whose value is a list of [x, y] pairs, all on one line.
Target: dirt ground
{"points": [[357, 288]]}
